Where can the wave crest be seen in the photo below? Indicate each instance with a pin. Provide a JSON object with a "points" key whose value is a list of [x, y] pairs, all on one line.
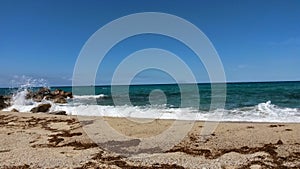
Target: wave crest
{"points": [[89, 96], [263, 112]]}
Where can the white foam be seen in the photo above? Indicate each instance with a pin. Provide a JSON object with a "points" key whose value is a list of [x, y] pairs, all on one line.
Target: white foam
{"points": [[19, 98], [89, 96], [263, 112]]}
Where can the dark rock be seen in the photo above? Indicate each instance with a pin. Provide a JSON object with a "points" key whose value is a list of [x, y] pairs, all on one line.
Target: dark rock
{"points": [[34, 110], [29, 95], [41, 93], [279, 142], [14, 110], [58, 113], [4, 102], [55, 92], [38, 98], [57, 96], [60, 99], [58, 92], [61, 92], [69, 94], [44, 91], [41, 108], [48, 97]]}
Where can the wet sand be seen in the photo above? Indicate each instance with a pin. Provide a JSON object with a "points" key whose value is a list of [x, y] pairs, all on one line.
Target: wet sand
{"points": [[47, 141]]}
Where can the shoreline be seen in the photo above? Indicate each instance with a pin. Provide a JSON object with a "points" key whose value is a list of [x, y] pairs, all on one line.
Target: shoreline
{"points": [[39, 140], [170, 119]]}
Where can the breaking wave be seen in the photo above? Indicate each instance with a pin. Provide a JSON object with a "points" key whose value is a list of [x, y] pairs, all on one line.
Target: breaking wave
{"points": [[263, 112]]}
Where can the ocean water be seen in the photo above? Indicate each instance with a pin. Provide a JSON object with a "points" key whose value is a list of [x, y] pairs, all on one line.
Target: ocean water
{"points": [[254, 102]]}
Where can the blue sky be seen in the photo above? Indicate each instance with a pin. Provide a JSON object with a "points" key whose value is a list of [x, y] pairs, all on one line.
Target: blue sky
{"points": [[256, 40]]}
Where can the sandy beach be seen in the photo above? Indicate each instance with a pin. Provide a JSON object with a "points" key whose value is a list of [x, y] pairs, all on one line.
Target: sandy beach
{"points": [[147, 84], [48, 141]]}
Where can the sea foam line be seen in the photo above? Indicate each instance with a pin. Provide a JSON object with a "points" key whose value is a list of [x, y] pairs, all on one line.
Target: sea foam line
{"points": [[263, 112]]}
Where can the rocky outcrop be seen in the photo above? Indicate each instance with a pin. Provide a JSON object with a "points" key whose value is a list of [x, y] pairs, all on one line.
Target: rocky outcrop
{"points": [[58, 113], [39, 95], [41, 108], [14, 110], [57, 96], [59, 99], [4, 102]]}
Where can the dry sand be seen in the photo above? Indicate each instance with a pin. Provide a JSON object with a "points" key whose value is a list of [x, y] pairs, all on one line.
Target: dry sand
{"points": [[47, 141]]}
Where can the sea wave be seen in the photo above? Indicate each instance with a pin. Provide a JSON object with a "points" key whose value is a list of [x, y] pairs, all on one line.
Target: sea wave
{"points": [[81, 105], [263, 112], [90, 96]]}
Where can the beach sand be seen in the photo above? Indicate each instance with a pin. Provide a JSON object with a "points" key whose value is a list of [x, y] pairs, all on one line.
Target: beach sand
{"points": [[37, 140]]}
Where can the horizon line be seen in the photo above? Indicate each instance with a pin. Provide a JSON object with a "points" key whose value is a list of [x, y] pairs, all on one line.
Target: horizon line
{"points": [[145, 84]]}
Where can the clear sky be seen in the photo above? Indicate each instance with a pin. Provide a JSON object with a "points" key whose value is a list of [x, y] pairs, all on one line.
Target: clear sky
{"points": [[256, 40]]}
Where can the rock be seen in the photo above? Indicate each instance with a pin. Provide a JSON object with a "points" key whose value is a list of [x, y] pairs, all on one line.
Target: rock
{"points": [[279, 142], [44, 91], [41, 93], [61, 92], [57, 96], [48, 97], [4, 102], [14, 110], [58, 113], [41, 108], [29, 95], [55, 92], [60, 100], [34, 110], [68, 94], [37, 98]]}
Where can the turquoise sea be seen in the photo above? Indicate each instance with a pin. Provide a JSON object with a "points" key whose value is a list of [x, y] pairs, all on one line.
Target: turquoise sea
{"points": [[259, 101]]}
